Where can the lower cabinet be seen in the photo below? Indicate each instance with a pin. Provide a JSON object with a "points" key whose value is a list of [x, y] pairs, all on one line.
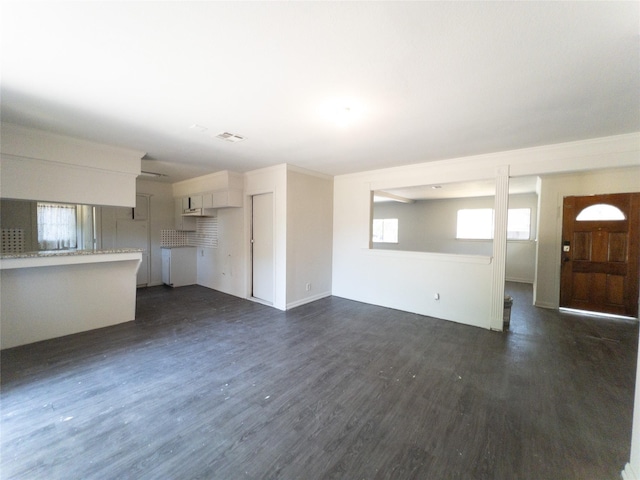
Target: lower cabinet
{"points": [[179, 266]]}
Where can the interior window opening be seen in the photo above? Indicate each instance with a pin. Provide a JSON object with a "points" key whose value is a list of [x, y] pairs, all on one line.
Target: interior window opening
{"points": [[429, 218]]}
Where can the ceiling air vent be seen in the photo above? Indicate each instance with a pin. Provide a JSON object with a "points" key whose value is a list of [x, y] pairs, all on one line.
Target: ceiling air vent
{"points": [[230, 137]]}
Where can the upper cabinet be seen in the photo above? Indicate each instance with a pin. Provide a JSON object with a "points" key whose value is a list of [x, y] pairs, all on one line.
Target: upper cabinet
{"points": [[222, 199], [217, 190], [191, 201], [182, 222]]}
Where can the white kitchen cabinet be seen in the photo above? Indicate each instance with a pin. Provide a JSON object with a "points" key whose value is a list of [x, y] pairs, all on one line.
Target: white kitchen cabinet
{"points": [[222, 199], [139, 213], [192, 201], [196, 201], [179, 266], [183, 223]]}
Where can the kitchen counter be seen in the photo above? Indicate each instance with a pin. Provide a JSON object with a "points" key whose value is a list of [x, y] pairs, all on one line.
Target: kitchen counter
{"points": [[66, 257], [52, 294]]}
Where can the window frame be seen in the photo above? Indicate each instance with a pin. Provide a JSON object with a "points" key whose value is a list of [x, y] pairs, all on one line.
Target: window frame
{"points": [[382, 222], [45, 244]]}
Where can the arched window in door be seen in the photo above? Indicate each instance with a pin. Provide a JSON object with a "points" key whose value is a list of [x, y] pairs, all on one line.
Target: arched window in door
{"points": [[600, 212]]}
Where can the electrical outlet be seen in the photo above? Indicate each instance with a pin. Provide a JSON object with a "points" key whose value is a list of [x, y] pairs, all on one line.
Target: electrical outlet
{"points": [[436, 296], [307, 287]]}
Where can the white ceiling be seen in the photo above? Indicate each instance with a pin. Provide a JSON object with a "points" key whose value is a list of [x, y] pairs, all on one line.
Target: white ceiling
{"points": [[423, 80]]}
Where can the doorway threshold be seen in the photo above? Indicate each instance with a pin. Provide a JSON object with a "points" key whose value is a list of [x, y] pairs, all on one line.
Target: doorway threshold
{"points": [[589, 313]]}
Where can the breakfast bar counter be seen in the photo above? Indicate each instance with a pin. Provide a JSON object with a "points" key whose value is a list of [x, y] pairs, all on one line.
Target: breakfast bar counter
{"points": [[52, 294]]}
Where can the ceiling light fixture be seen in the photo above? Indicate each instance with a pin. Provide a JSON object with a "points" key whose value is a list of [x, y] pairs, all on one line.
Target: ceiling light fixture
{"points": [[344, 116], [342, 111]]}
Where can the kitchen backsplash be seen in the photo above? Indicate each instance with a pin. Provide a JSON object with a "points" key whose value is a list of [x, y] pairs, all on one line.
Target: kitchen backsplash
{"points": [[173, 238], [13, 240], [206, 235]]}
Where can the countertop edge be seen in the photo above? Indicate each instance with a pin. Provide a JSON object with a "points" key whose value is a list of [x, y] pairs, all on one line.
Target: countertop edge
{"points": [[76, 258]]}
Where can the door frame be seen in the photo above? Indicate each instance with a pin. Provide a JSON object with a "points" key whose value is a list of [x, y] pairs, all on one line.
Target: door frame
{"points": [[633, 264], [250, 264]]}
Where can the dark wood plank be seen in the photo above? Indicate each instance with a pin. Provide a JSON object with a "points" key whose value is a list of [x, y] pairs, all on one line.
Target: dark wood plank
{"points": [[205, 385]]}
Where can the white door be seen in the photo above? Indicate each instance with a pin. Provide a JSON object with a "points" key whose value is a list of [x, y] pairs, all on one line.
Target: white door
{"points": [[262, 246]]}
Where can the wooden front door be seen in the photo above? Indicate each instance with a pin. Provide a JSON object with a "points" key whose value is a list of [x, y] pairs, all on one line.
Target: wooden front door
{"points": [[600, 244]]}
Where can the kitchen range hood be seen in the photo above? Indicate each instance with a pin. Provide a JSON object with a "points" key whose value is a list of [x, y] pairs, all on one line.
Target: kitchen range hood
{"points": [[195, 212]]}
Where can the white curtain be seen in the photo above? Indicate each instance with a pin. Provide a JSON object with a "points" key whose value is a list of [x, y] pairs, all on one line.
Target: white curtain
{"points": [[56, 226]]}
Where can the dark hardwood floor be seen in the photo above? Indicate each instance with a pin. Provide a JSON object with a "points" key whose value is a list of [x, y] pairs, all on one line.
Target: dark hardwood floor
{"points": [[204, 385]]}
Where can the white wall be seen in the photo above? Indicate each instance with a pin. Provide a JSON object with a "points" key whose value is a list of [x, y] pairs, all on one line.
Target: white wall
{"points": [[270, 180], [552, 190], [38, 165], [430, 226], [415, 225], [309, 236], [223, 268]]}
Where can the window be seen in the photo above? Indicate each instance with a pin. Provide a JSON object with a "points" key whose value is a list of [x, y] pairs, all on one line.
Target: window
{"points": [[477, 224], [519, 224], [57, 226], [600, 211], [385, 230]]}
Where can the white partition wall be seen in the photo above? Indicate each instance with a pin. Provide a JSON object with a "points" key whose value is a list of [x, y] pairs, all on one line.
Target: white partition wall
{"points": [[410, 280], [407, 281]]}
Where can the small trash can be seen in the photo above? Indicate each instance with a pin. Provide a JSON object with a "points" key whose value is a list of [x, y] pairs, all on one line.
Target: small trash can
{"points": [[506, 316]]}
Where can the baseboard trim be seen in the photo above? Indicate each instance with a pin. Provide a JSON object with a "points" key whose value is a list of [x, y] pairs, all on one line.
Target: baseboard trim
{"points": [[519, 280], [303, 301], [628, 473]]}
